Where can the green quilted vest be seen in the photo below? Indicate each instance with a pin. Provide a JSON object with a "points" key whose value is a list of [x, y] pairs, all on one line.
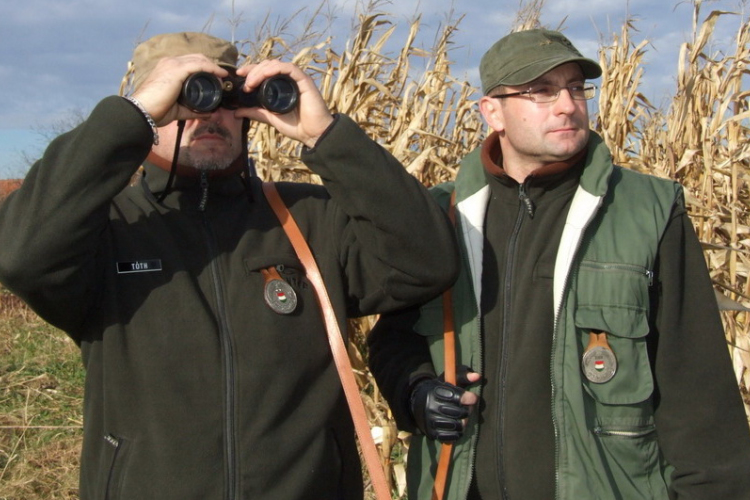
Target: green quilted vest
{"points": [[606, 439]]}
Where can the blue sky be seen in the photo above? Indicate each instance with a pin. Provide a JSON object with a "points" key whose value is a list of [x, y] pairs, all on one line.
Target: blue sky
{"points": [[59, 58]]}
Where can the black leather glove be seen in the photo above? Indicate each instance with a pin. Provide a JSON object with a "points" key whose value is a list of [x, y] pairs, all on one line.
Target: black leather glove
{"points": [[437, 409]]}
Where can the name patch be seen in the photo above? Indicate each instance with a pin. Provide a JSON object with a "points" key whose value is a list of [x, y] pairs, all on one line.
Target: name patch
{"points": [[139, 266]]}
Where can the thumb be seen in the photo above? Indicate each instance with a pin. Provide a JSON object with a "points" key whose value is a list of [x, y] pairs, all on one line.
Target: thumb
{"points": [[466, 376]]}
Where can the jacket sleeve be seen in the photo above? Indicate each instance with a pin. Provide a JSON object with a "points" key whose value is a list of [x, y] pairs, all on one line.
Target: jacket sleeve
{"points": [[399, 357], [398, 247], [50, 226], [702, 427]]}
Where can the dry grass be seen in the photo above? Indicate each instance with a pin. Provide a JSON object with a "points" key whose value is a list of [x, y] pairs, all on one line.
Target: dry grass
{"points": [[409, 101], [41, 390]]}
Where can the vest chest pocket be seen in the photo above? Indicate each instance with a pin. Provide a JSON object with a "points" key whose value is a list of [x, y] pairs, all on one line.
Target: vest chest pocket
{"points": [[613, 298]]}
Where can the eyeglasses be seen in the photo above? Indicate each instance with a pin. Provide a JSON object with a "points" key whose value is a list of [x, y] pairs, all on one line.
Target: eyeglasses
{"points": [[579, 91]]}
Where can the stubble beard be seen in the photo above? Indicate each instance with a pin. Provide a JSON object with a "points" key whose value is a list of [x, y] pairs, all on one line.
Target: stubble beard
{"points": [[214, 158], [209, 162]]}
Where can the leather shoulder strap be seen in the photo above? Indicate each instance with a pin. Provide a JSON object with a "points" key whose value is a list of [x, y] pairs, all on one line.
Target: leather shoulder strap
{"points": [[449, 349], [336, 341]]}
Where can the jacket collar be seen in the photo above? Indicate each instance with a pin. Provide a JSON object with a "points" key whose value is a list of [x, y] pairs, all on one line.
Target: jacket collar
{"points": [[237, 166], [187, 187], [488, 157], [491, 155], [472, 195]]}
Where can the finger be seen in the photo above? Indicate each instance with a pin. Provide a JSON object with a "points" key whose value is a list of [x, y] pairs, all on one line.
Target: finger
{"points": [[448, 437], [466, 376], [469, 399], [255, 74], [447, 431], [162, 86], [448, 393], [454, 411], [465, 423], [308, 122], [447, 424]]}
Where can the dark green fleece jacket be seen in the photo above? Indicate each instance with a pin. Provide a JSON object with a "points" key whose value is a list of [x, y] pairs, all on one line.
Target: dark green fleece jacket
{"points": [[195, 387]]}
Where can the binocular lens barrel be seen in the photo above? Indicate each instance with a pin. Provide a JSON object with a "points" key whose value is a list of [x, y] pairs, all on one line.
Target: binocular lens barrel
{"points": [[278, 94], [204, 92]]}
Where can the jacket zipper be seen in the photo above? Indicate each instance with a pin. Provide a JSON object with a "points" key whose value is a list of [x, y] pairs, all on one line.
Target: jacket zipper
{"points": [[558, 313], [204, 191], [475, 437], [480, 359], [611, 266], [227, 349], [526, 208], [117, 445], [599, 431]]}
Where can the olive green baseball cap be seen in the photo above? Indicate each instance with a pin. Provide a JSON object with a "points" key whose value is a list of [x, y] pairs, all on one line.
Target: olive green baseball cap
{"points": [[148, 53], [524, 56]]}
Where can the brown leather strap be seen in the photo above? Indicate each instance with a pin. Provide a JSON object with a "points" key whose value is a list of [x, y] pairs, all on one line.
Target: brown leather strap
{"points": [[597, 338], [336, 341], [270, 273], [449, 349], [449, 331]]}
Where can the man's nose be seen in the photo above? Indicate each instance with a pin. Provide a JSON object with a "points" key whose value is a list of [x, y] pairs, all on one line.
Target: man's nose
{"points": [[214, 117], [565, 101]]}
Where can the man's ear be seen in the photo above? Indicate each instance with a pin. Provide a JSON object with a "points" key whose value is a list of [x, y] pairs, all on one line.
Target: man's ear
{"points": [[492, 113]]}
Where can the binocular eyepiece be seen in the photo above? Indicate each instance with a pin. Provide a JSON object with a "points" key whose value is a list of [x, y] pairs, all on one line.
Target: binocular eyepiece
{"points": [[204, 92]]}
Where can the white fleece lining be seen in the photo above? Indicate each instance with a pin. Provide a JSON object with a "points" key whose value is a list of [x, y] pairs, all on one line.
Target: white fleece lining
{"points": [[582, 208], [471, 213]]}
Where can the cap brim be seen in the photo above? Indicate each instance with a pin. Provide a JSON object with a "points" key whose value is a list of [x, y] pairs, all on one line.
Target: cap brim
{"points": [[530, 73], [590, 69]]}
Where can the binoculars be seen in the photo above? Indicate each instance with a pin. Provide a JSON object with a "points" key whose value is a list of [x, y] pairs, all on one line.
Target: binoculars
{"points": [[204, 92]]}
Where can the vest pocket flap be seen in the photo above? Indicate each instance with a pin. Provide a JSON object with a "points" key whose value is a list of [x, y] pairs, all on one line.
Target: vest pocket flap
{"points": [[616, 321], [626, 331]]}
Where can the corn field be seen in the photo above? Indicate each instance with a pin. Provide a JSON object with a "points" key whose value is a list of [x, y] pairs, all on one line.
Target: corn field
{"points": [[409, 101], [701, 140]]}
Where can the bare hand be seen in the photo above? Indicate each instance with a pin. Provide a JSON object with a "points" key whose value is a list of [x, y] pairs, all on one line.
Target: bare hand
{"points": [[159, 92], [306, 123]]}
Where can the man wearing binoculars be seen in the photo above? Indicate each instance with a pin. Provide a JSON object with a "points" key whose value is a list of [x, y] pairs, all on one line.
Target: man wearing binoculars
{"points": [[208, 371]]}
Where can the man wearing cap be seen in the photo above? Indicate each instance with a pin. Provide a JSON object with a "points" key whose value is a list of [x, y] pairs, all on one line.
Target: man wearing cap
{"points": [[584, 316], [208, 370]]}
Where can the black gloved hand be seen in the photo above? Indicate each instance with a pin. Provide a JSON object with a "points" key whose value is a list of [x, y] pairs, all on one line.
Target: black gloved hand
{"points": [[437, 409]]}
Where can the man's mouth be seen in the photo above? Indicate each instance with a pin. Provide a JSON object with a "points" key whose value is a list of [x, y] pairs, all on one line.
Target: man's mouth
{"points": [[211, 132]]}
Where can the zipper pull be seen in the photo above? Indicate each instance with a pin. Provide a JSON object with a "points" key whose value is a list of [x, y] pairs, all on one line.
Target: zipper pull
{"points": [[530, 208], [204, 191], [650, 276]]}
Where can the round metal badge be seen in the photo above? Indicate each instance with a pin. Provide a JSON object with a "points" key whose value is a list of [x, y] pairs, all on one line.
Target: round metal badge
{"points": [[599, 364], [280, 296]]}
